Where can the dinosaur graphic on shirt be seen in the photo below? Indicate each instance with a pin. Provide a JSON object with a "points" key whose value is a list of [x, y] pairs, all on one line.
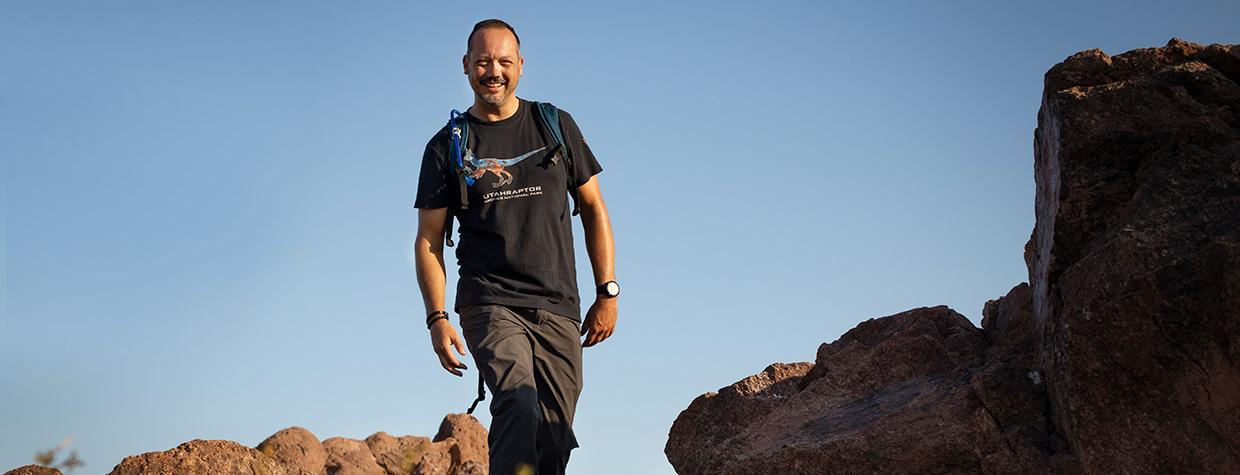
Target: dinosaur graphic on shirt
{"points": [[477, 167]]}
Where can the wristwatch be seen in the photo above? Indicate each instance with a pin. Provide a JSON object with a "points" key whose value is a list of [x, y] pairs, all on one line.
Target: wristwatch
{"points": [[609, 289]]}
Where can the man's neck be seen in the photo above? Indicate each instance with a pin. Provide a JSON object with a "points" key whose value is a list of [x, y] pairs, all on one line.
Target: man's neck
{"points": [[491, 113]]}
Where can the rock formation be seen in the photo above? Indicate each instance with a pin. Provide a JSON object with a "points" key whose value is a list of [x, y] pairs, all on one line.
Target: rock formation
{"points": [[913, 392], [200, 457], [33, 470], [297, 450], [1135, 258], [1121, 356], [460, 448]]}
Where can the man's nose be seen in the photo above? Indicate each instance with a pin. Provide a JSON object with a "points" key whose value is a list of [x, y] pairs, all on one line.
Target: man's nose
{"points": [[493, 68]]}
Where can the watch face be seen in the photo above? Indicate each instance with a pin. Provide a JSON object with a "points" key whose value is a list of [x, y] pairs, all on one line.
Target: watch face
{"points": [[613, 289]]}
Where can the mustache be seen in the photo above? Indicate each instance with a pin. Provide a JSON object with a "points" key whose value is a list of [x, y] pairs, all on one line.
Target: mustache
{"points": [[491, 79]]}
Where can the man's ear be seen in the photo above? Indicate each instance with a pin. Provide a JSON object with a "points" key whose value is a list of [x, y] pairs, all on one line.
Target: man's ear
{"points": [[465, 63]]}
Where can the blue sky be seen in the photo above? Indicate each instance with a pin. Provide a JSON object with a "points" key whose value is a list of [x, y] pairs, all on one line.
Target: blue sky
{"points": [[208, 207]]}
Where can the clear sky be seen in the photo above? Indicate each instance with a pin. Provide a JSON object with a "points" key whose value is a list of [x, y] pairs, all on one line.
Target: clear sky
{"points": [[208, 207]]}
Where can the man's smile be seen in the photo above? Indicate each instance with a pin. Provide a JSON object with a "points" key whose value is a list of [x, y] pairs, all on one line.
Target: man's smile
{"points": [[493, 85]]}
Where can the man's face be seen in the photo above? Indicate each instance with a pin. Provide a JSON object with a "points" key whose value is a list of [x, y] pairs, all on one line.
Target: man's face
{"points": [[493, 65]]}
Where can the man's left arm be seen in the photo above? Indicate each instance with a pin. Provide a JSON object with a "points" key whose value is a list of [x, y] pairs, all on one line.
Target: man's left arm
{"points": [[600, 320]]}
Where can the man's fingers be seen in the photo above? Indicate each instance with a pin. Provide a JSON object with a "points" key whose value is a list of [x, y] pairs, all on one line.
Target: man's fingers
{"points": [[448, 366], [451, 358], [460, 346], [595, 337], [448, 360]]}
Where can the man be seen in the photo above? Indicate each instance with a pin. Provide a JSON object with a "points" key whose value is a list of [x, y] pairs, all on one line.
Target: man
{"points": [[517, 293]]}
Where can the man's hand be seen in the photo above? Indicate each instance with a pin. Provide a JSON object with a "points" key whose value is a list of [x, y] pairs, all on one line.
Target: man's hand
{"points": [[600, 321], [443, 338]]}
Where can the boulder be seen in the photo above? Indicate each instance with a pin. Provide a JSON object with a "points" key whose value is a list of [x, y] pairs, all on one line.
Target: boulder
{"points": [[350, 457], [894, 394], [397, 455], [1122, 354], [470, 436], [459, 448], [714, 417], [297, 450], [439, 459], [201, 457], [33, 470], [1135, 257]]}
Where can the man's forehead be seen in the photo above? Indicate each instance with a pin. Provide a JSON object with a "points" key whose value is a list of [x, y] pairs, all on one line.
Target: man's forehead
{"points": [[494, 40]]}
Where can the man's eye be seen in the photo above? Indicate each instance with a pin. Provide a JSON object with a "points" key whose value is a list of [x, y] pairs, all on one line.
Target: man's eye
{"points": [[506, 63]]}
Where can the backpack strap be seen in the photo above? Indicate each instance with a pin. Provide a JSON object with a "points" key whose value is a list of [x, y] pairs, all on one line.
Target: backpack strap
{"points": [[550, 118], [482, 394], [458, 138]]}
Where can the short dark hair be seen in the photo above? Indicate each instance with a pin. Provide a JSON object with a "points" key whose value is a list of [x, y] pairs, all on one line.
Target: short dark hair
{"points": [[490, 23]]}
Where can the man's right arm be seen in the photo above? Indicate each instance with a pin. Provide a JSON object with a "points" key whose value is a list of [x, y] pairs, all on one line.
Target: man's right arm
{"points": [[432, 278], [428, 256]]}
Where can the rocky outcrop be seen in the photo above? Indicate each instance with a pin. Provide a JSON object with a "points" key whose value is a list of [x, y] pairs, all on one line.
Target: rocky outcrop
{"points": [[200, 457], [1135, 258], [713, 418], [350, 457], [399, 454], [460, 448], [33, 470], [297, 450], [1122, 355], [911, 392]]}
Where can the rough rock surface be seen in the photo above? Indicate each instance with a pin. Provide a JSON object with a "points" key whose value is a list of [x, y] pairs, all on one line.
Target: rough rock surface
{"points": [[460, 448], [297, 450], [1122, 355], [201, 457], [397, 455], [894, 394], [714, 417], [470, 437], [33, 470], [1135, 258], [350, 457]]}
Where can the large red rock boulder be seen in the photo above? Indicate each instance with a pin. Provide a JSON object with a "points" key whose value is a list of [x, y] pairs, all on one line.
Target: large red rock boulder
{"points": [[350, 457], [472, 449], [297, 450], [1121, 356], [201, 457], [397, 455], [459, 448], [33, 470], [905, 393], [1135, 257], [715, 417]]}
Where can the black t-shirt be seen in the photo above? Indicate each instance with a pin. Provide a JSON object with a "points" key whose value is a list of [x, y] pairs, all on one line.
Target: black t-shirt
{"points": [[516, 244]]}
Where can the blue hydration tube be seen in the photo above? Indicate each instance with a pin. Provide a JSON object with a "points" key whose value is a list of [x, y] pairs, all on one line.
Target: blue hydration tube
{"points": [[458, 145]]}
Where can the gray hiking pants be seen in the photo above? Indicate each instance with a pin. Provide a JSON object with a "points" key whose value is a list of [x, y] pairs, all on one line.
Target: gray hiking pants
{"points": [[531, 362]]}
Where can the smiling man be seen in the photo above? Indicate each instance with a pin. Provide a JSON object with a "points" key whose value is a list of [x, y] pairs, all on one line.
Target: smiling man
{"points": [[509, 184]]}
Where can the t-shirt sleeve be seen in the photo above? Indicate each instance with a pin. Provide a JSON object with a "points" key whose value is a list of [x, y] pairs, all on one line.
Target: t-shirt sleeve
{"points": [[584, 163], [435, 179]]}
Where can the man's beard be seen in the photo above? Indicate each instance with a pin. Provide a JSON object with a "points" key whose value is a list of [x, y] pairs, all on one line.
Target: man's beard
{"points": [[496, 100], [493, 99]]}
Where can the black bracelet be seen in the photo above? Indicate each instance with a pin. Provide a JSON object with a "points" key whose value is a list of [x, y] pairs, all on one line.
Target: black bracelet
{"points": [[435, 317]]}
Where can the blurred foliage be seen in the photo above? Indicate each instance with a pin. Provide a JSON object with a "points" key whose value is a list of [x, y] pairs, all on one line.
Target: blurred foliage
{"points": [[48, 457]]}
